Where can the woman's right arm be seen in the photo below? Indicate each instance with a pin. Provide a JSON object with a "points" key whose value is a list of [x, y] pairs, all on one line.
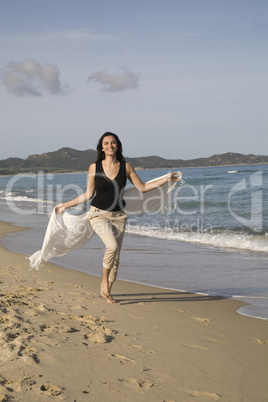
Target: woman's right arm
{"points": [[83, 197]]}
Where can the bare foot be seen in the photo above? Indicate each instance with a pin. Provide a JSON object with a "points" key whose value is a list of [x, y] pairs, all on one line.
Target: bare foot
{"points": [[104, 290], [110, 299], [105, 293]]}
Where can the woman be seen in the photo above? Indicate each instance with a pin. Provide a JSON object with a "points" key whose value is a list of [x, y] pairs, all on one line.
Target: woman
{"points": [[107, 180]]}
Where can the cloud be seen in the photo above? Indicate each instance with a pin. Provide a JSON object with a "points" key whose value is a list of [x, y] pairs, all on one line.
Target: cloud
{"points": [[112, 83], [30, 78]]}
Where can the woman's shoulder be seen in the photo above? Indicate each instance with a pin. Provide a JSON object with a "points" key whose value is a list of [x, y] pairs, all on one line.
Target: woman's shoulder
{"points": [[129, 168], [128, 165], [92, 168]]}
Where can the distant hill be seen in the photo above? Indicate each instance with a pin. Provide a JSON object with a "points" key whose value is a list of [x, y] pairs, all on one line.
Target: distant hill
{"points": [[70, 160]]}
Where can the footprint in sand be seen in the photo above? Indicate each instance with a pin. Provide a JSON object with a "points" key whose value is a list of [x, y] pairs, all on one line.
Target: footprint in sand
{"points": [[87, 318], [77, 307], [143, 385], [70, 285], [262, 342], [29, 290], [48, 328], [57, 328], [205, 395], [10, 299], [48, 283], [180, 310], [15, 385], [197, 347], [202, 320], [5, 319], [81, 298], [73, 293], [123, 359], [42, 307], [28, 355], [51, 390], [100, 334], [16, 347], [215, 340], [147, 352], [94, 337]]}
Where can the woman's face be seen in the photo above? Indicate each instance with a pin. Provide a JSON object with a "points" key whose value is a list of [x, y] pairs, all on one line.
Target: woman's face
{"points": [[109, 145]]}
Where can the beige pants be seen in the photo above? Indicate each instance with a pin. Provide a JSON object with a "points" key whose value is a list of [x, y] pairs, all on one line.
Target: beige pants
{"points": [[110, 227]]}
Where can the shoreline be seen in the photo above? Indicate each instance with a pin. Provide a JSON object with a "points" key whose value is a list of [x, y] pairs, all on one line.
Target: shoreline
{"points": [[136, 168], [61, 340]]}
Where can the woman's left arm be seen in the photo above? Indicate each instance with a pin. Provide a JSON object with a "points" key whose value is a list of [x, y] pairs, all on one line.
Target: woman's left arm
{"points": [[144, 187]]}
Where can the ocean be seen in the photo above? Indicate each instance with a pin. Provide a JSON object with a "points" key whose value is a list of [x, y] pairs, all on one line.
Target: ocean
{"points": [[212, 240]]}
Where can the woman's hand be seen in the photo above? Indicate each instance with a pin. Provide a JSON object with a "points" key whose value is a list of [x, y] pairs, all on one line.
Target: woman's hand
{"points": [[176, 176], [60, 208]]}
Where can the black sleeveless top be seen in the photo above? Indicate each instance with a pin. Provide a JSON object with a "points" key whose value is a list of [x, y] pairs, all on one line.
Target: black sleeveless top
{"points": [[109, 193]]}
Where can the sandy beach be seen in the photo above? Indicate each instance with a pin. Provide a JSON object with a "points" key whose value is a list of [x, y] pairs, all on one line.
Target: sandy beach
{"points": [[60, 340]]}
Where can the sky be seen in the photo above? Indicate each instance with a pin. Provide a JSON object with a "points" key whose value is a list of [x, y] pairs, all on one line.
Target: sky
{"points": [[180, 79]]}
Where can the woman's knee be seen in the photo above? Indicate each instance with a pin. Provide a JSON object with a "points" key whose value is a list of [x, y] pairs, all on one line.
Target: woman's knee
{"points": [[112, 247]]}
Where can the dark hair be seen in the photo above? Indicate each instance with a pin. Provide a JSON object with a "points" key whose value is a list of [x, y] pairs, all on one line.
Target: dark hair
{"points": [[119, 152]]}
